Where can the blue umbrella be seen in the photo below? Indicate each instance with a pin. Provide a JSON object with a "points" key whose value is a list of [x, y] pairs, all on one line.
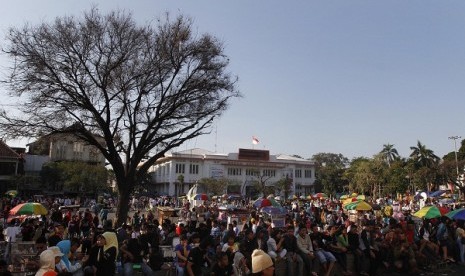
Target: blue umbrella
{"points": [[437, 193], [457, 214]]}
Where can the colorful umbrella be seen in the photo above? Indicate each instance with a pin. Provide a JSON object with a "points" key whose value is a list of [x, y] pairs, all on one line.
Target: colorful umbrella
{"points": [[349, 200], [262, 202], [344, 197], [12, 193], [359, 206], [274, 202], [361, 197], [200, 197], [429, 212], [29, 208], [457, 214], [271, 210], [320, 195]]}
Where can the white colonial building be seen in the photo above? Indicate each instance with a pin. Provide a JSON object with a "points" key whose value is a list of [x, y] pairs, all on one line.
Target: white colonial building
{"points": [[175, 173]]}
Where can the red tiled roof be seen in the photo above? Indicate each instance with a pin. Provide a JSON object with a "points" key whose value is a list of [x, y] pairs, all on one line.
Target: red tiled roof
{"points": [[6, 151]]}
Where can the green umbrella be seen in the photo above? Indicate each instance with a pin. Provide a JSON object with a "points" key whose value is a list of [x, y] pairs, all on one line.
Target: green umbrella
{"points": [[428, 212], [12, 193], [29, 208]]}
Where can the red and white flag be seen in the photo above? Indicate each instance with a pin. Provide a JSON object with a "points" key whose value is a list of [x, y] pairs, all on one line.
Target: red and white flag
{"points": [[255, 140]]}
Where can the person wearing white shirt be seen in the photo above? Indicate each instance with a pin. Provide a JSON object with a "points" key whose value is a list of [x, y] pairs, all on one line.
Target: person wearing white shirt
{"points": [[306, 248]]}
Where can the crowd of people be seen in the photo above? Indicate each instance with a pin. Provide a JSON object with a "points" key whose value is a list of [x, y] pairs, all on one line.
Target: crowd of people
{"points": [[319, 238]]}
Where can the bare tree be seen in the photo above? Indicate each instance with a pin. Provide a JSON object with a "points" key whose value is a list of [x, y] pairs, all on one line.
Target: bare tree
{"points": [[144, 89]]}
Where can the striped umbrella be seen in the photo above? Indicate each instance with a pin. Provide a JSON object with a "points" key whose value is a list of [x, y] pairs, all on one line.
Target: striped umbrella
{"points": [[29, 208], [320, 195], [429, 212], [359, 206], [458, 214]]}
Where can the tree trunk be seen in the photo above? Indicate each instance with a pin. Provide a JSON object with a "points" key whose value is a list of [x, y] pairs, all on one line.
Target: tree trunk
{"points": [[122, 209]]}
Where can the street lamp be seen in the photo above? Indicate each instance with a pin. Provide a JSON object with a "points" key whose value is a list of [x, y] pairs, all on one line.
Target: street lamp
{"points": [[455, 147]]}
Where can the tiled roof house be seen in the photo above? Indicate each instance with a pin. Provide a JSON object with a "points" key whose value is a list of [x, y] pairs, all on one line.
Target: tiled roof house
{"points": [[9, 164]]}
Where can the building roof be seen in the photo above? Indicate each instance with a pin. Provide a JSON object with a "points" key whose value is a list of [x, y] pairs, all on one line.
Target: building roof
{"points": [[6, 151], [195, 151], [290, 158]]}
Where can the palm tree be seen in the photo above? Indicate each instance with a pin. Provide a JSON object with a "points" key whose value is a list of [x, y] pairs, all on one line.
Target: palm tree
{"points": [[423, 156], [389, 153]]}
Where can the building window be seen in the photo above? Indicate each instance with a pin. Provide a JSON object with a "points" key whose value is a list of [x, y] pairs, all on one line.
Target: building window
{"points": [[251, 172], [180, 168], [308, 173], [298, 173], [234, 171], [194, 169], [78, 147], [270, 173]]}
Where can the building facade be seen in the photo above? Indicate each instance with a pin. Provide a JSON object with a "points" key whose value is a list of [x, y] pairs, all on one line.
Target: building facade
{"points": [[10, 166], [175, 173], [66, 147]]}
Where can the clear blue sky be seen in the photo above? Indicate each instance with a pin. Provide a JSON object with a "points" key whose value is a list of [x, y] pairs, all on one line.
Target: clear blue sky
{"points": [[318, 76]]}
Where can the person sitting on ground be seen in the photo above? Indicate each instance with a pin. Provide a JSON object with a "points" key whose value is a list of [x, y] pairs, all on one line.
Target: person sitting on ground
{"points": [[306, 249], [292, 256], [262, 265], [47, 263], [182, 252], [275, 245], [102, 258], [69, 247], [222, 266], [133, 253], [197, 261], [57, 235], [320, 248]]}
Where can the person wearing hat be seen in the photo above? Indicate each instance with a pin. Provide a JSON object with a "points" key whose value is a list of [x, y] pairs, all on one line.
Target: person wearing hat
{"points": [[47, 263], [262, 263], [102, 257]]}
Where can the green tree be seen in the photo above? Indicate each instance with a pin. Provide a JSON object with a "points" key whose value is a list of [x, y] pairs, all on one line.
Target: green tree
{"points": [[284, 185], [426, 166], [143, 89], [75, 176], [329, 170], [397, 178], [214, 186], [423, 157], [389, 153]]}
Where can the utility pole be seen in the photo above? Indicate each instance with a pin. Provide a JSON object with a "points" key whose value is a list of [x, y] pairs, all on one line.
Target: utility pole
{"points": [[455, 151], [456, 160]]}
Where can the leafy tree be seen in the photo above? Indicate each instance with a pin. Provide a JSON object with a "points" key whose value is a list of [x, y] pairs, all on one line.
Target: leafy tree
{"points": [[367, 175], [423, 156], [389, 153], [261, 183], [214, 186], [426, 166], [397, 178], [448, 168], [75, 176], [144, 90], [284, 185], [329, 170]]}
